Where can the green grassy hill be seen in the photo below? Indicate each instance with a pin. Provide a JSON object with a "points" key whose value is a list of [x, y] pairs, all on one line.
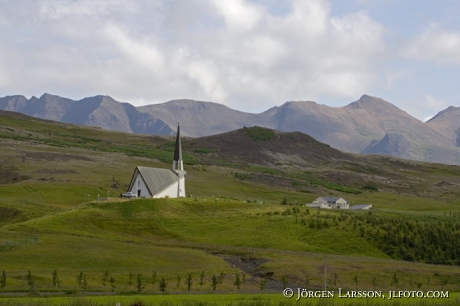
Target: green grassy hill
{"points": [[60, 209]]}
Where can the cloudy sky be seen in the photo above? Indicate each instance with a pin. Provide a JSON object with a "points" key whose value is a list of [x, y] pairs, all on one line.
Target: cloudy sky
{"points": [[247, 54]]}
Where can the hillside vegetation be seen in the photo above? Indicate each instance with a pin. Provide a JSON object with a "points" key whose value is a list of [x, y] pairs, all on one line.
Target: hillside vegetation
{"points": [[60, 211]]}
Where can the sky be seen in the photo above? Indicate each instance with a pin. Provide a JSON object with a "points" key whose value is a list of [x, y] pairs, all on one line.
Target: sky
{"points": [[249, 55]]}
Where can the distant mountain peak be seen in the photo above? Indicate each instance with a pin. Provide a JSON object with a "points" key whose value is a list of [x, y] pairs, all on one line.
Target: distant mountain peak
{"points": [[445, 111], [367, 102], [370, 123], [287, 103]]}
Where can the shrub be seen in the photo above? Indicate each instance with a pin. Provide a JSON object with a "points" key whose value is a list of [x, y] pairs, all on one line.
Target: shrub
{"points": [[259, 133], [370, 187]]}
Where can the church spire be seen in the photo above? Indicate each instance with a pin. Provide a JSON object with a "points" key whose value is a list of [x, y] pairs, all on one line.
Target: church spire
{"points": [[178, 164]]}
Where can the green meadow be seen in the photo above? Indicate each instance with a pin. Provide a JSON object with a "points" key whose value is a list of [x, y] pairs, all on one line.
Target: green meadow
{"points": [[65, 231], [220, 300]]}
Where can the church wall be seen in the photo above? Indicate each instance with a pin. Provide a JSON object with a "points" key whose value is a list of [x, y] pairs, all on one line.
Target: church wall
{"points": [[181, 192], [139, 184], [170, 192], [176, 190]]}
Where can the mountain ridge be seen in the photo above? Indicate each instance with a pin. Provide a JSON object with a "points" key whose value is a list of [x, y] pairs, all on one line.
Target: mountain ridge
{"points": [[356, 127]]}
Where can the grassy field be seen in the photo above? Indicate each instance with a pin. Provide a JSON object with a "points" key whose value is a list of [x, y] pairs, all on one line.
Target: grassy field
{"points": [[174, 237], [60, 211], [222, 300]]}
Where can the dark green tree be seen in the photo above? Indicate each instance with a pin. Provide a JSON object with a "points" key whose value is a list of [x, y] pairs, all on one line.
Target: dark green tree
{"points": [[130, 279], [285, 281], [237, 281], [262, 283], [444, 280], [80, 279], [112, 283], [221, 277], [188, 281], [139, 283], [3, 279], [202, 278], [356, 281], [84, 283], [214, 282], [179, 278], [105, 277], [163, 284], [56, 280], [30, 281]]}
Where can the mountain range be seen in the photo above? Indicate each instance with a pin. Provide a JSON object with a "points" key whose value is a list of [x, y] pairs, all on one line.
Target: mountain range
{"points": [[369, 125]]}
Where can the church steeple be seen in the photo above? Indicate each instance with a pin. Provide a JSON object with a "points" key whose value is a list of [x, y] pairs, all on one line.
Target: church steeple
{"points": [[178, 164]]}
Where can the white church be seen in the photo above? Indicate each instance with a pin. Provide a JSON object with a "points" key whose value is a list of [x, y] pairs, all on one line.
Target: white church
{"points": [[161, 183]]}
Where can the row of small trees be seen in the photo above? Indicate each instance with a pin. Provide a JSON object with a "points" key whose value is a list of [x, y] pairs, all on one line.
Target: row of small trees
{"points": [[138, 281], [30, 280]]}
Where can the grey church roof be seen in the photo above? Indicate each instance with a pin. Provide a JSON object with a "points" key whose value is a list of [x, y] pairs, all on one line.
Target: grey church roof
{"points": [[157, 179]]}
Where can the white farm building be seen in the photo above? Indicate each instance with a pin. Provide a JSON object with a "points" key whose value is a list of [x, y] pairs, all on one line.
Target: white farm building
{"points": [[161, 183], [330, 203], [336, 203]]}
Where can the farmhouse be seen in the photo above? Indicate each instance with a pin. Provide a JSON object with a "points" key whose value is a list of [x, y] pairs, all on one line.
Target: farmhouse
{"points": [[336, 203], [330, 203], [161, 183]]}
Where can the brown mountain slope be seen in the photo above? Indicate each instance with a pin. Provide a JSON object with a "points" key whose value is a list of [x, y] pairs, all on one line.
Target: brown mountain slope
{"points": [[448, 123], [353, 127], [297, 161], [369, 125], [198, 118], [362, 126], [101, 111], [267, 147]]}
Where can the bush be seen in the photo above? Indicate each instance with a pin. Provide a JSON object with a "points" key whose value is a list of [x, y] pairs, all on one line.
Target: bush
{"points": [[259, 133], [370, 187], [241, 176]]}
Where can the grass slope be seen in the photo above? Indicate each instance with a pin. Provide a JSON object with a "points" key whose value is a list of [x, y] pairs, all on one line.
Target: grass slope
{"points": [[175, 237]]}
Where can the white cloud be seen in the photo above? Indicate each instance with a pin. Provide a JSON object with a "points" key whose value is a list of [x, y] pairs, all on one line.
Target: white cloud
{"points": [[142, 53], [435, 44], [238, 14], [206, 74], [233, 52], [311, 17]]}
